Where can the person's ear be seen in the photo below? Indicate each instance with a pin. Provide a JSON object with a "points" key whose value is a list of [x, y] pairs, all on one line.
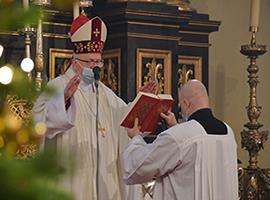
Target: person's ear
{"points": [[186, 103]]}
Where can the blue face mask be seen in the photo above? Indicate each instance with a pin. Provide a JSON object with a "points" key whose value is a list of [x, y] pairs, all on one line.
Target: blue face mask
{"points": [[87, 76]]}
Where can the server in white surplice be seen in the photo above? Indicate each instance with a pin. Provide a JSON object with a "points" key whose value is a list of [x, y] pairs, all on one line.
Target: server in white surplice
{"points": [[195, 160]]}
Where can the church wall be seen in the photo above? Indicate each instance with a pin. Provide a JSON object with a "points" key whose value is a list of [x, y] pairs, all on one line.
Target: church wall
{"points": [[228, 86]]}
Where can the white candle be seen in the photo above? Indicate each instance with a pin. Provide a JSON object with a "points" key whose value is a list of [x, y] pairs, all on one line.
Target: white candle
{"points": [[254, 13], [76, 9], [25, 4]]}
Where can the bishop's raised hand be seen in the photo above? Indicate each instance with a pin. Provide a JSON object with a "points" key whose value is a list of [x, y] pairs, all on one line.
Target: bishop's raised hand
{"points": [[149, 87], [71, 87]]}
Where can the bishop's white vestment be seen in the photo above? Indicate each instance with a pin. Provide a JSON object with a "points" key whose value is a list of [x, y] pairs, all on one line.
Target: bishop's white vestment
{"points": [[75, 132], [186, 162]]}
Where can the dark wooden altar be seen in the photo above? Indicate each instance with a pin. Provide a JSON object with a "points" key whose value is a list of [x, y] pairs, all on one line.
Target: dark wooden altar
{"points": [[145, 41]]}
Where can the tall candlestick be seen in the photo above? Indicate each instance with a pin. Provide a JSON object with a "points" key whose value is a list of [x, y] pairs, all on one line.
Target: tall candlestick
{"points": [[25, 4], [76, 9], [254, 13]]}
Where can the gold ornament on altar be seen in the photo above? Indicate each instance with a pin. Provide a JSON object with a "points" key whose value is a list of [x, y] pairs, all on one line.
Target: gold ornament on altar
{"points": [[17, 137], [20, 108], [108, 75], [184, 75], [183, 5], [154, 73], [26, 151]]}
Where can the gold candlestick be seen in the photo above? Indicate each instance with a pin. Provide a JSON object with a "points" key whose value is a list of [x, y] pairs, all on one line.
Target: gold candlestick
{"points": [[39, 59], [254, 183], [27, 32]]}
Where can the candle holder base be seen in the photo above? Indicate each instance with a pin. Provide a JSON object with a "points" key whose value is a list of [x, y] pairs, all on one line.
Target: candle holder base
{"points": [[254, 184], [253, 50], [30, 31]]}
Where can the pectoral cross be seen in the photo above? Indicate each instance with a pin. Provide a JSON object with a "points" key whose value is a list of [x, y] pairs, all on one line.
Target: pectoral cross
{"points": [[102, 131]]}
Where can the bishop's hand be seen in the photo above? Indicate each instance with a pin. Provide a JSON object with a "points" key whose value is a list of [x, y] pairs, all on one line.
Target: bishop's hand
{"points": [[149, 87], [71, 87]]}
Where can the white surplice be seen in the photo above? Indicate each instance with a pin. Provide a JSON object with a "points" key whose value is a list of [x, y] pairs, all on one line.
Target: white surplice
{"points": [[75, 132], [186, 162]]}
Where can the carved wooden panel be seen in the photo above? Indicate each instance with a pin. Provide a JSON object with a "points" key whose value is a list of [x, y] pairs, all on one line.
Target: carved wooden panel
{"points": [[189, 67], [111, 71], [154, 64]]}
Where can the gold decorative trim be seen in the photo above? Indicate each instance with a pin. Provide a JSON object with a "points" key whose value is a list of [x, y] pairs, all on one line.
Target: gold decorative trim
{"points": [[194, 33], [57, 53], [153, 24], [56, 24], [50, 35], [207, 23], [157, 54], [13, 33], [58, 12], [193, 44], [54, 35], [114, 53], [154, 14], [192, 60], [153, 36]]}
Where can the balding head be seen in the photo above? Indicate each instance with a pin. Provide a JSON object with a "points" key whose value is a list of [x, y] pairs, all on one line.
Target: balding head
{"points": [[192, 97]]}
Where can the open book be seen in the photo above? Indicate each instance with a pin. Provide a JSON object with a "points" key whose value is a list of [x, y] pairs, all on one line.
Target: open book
{"points": [[147, 108]]}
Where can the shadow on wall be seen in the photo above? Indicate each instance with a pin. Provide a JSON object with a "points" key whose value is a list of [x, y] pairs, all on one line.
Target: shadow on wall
{"points": [[224, 87], [219, 90]]}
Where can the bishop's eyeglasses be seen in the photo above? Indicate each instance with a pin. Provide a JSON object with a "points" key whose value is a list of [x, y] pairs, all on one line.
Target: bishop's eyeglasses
{"points": [[98, 63]]}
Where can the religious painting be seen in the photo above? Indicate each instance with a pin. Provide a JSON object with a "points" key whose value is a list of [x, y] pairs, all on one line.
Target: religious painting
{"points": [[59, 61], [111, 71], [189, 67], [153, 64]]}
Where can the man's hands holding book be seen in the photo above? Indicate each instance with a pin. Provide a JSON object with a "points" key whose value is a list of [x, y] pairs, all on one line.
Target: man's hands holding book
{"points": [[132, 132], [169, 118]]}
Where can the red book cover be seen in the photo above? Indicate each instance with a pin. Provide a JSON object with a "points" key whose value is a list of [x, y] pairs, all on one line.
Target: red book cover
{"points": [[147, 108]]}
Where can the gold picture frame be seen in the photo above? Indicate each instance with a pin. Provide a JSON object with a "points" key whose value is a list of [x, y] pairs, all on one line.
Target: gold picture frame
{"points": [[192, 61], [57, 54], [165, 56]]}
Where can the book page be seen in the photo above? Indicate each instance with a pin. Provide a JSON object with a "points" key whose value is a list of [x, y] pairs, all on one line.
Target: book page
{"points": [[165, 96]]}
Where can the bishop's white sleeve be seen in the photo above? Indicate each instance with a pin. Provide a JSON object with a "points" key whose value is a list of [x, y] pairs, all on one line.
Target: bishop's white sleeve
{"points": [[58, 119], [52, 111], [146, 162]]}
